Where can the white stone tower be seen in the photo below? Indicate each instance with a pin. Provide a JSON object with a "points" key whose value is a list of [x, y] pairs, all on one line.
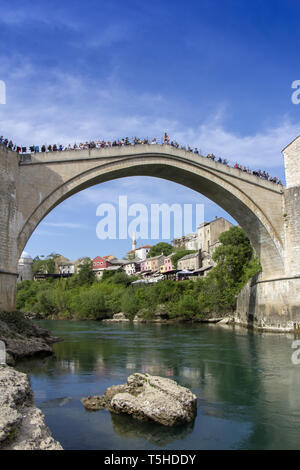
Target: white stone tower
{"points": [[133, 247]]}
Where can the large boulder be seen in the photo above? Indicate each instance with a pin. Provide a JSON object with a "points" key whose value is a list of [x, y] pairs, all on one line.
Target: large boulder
{"points": [[22, 425], [148, 398], [23, 338]]}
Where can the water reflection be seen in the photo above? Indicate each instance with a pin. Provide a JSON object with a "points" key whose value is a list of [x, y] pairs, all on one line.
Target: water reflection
{"points": [[156, 434], [245, 383]]}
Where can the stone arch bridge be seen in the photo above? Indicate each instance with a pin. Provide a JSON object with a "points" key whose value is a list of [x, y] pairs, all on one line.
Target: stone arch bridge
{"points": [[32, 185]]}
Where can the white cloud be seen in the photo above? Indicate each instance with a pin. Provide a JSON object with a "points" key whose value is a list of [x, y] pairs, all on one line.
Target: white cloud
{"points": [[47, 233], [64, 225], [12, 15], [260, 150], [68, 108]]}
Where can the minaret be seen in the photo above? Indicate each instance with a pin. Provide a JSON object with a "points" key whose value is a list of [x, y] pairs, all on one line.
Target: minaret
{"points": [[133, 242]]}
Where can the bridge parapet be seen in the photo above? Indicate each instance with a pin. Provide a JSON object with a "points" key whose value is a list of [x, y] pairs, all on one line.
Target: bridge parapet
{"points": [[144, 150]]}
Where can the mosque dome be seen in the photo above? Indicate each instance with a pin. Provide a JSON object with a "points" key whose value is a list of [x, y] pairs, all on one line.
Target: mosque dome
{"points": [[25, 258]]}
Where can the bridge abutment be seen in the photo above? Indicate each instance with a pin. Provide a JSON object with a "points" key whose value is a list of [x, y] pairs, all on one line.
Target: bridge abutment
{"points": [[270, 305], [274, 303], [8, 229]]}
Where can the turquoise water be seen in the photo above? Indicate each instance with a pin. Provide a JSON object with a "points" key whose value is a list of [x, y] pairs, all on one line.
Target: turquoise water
{"points": [[247, 386]]}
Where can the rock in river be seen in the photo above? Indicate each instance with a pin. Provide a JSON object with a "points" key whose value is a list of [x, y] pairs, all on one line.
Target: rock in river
{"points": [[117, 318], [22, 425], [148, 398]]}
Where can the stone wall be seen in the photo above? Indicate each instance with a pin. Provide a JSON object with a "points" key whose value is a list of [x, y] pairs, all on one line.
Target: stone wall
{"points": [[276, 304], [270, 305], [8, 228]]}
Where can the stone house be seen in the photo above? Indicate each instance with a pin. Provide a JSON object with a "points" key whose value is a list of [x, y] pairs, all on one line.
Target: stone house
{"points": [[68, 267], [206, 238], [190, 262], [209, 232], [132, 267], [187, 242]]}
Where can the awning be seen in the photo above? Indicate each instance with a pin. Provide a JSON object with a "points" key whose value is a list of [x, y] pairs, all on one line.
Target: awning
{"points": [[205, 268], [185, 271]]}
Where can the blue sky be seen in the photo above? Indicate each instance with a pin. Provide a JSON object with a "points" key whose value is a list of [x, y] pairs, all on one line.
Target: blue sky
{"points": [[215, 74]]}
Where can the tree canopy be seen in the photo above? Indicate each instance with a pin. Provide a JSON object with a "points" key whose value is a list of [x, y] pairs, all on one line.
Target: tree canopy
{"points": [[45, 266], [160, 248]]}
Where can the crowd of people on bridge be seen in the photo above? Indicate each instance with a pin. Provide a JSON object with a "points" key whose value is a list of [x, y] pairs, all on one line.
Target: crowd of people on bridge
{"points": [[101, 144]]}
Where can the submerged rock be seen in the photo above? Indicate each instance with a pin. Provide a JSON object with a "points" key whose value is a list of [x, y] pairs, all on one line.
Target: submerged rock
{"points": [[22, 425], [226, 321], [148, 398], [139, 319], [94, 403]]}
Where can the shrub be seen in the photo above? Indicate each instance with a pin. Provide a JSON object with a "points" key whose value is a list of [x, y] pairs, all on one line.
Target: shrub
{"points": [[90, 304]]}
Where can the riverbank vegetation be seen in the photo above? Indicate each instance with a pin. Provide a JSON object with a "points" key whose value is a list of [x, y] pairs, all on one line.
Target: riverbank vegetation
{"points": [[83, 297]]}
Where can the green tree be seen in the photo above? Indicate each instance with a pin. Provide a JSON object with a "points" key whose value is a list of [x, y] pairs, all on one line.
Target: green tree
{"points": [[234, 253], [85, 274], [160, 248], [235, 265], [90, 304], [45, 302], [121, 277], [129, 303], [44, 266]]}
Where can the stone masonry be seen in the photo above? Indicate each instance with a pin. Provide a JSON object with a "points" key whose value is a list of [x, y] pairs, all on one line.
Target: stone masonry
{"points": [[268, 213]]}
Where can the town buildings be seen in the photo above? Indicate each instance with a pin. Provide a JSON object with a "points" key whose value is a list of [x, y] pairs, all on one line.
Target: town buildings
{"points": [[132, 267], [109, 263], [208, 234], [168, 265], [152, 264], [64, 265], [198, 263], [138, 253]]}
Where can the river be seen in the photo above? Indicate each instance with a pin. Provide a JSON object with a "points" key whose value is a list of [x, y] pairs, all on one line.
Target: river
{"points": [[247, 386]]}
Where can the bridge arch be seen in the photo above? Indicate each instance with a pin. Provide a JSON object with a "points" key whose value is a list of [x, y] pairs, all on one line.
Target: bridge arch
{"points": [[255, 204]]}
